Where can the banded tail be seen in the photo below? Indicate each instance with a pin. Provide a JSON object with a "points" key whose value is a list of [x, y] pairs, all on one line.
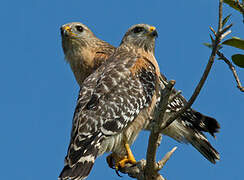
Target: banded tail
{"points": [[189, 128], [81, 157]]}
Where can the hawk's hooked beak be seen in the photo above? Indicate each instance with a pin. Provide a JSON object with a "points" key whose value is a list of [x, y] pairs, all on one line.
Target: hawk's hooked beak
{"points": [[66, 31], [153, 31]]}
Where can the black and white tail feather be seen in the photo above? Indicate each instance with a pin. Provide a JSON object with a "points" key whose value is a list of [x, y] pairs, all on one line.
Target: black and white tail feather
{"points": [[189, 127], [80, 161]]}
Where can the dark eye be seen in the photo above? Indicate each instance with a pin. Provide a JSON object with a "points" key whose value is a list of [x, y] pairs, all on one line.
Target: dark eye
{"points": [[79, 28], [138, 29]]}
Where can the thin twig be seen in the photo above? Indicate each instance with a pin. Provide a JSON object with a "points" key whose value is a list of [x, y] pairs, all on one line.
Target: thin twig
{"points": [[213, 31], [165, 93], [162, 162], [220, 23], [226, 28], [225, 34], [233, 70], [240, 6]]}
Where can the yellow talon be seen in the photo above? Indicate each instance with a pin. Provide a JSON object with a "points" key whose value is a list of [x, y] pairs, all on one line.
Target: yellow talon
{"points": [[126, 159], [114, 161]]}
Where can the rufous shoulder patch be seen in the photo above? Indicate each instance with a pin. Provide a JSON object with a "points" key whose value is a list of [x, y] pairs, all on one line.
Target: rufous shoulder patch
{"points": [[139, 64]]}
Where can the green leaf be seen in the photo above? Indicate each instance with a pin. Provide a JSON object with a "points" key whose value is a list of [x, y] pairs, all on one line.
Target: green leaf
{"points": [[225, 20], [211, 46], [235, 42], [233, 4], [208, 45], [238, 59]]}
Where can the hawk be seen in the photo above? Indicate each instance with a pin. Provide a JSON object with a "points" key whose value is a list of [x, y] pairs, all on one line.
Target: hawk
{"points": [[114, 103], [85, 52]]}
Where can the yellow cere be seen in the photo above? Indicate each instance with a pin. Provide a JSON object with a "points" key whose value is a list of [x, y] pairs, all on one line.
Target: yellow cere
{"points": [[152, 28], [68, 29]]}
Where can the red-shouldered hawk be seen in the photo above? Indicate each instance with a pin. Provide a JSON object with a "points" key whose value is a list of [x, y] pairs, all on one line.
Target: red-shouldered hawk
{"points": [[83, 50], [113, 104], [81, 47]]}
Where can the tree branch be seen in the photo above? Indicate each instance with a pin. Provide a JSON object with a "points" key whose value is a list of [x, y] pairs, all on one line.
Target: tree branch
{"points": [[162, 162], [219, 35], [137, 171], [151, 169], [240, 6], [233, 70], [220, 23]]}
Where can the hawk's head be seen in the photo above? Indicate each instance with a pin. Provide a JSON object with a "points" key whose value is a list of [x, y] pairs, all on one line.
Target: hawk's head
{"points": [[141, 36], [76, 35], [75, 30]]}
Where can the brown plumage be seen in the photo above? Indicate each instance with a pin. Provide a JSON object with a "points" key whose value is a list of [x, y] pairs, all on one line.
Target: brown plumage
{"points": [[83, 50], [113, 104], [188, 128]]}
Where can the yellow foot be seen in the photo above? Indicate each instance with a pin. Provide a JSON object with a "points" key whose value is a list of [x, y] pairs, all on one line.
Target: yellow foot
{"points": [[116, 162], [126, 159]]}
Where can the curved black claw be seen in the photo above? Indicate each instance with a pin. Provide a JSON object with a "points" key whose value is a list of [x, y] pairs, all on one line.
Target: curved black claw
{"points": [[110, 162], [117, 172]]}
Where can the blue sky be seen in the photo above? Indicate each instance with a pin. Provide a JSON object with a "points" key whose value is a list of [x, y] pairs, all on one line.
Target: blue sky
{"points": [[38, 90]]}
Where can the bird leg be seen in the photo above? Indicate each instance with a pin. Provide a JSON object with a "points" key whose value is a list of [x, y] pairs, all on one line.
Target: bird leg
{"points": [[115, 162], [126, 159]]}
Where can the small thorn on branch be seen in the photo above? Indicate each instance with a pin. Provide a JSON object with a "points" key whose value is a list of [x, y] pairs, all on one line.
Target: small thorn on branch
{"points": [[162, 162], [215, 34], [226, 28], [225, 34], [212, 39], [232, 68]]}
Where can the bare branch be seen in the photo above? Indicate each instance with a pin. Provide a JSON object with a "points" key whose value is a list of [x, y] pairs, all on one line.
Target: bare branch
{"points": [[135, 171], [162, 162], [151, 170], [215, 45], [213, 31], [233, 70], [226, 28], [220, 24], [225, 34], [212, 39], [165, 93], [240, 6]]}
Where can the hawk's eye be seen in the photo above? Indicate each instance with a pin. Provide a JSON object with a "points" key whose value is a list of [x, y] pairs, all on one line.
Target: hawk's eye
{"points": [[79, 28], [138, 29]]}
